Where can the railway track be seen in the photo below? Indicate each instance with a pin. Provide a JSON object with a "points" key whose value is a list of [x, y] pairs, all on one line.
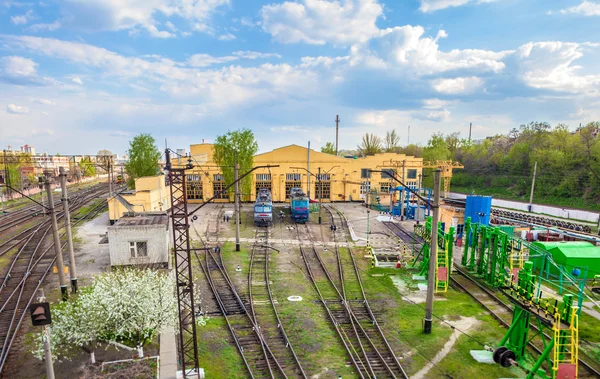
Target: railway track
{"points": [[241, 316], [502, 311], [264, 309], [29, 267], [354, 295], [402, 233], [352, 319], [258, 358]]}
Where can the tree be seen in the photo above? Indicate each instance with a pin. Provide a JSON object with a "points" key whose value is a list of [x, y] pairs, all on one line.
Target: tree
{"points": [[87, 167], [128, 306], [392, 140], [13, 165], [453, 142], [329, 148], [370, 145], [143, 158], [236, 146], [104, 153]]}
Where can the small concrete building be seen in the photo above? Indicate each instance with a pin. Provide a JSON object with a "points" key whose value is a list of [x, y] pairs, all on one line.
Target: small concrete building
{"points": [[140, 239]]}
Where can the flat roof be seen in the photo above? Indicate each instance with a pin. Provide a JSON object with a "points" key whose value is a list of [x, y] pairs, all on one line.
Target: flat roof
{"points": [[144, 219]]}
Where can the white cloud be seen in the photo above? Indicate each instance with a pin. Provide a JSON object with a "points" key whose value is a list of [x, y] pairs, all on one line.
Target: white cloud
{"points": [[170, 26], [435, 103], [321, 21], [205, 60], [435, 116], [154, 32], [587, 8], [406, 46], [49, 27], [16, 109], [131, 14], [458, 85], [549, 65], [77, 80], [436, 5], [45, 101], [249, 22], [226, 37], [22, 19], [255, 55], [17, 66]]}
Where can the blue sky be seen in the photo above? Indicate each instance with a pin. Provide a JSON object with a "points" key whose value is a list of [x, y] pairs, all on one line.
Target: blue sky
{"points": [[77, 76]]}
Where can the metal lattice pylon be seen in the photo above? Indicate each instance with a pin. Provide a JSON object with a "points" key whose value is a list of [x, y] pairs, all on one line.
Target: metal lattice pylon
{"points": [[188, 343]]}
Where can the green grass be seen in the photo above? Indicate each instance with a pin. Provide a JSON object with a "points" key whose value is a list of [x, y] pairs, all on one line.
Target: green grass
{"points": [[403, 326], [217, 355]]}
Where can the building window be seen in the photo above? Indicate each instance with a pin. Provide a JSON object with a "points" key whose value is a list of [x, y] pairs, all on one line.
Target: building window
{"points": [[218, 190], [194, 186], [293, 177], [365, 187], [411, 173], [291, 184], [412, 185], [217, 177], [384, 187], [263, 177], [138, 249], [262, 181], [325, 188], [194, 190]]}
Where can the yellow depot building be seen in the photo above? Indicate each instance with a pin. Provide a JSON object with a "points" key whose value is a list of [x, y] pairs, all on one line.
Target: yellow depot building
{"points": [[150, 195], [340, 177]]}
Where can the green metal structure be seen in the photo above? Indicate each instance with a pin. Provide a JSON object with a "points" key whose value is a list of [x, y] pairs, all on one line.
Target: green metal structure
{"points": [[444, 253], [496, 256], [560, 352]]}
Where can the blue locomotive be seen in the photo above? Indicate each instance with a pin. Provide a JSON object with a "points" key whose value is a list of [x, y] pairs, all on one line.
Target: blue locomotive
{"points": [[263, 207], [299, 205]]}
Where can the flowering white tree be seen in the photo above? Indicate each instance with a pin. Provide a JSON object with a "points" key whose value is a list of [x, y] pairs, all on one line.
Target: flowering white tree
{"points": [[128, 306]]}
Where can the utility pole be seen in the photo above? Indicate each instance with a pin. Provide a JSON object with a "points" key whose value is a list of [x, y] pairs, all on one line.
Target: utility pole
{"points": [[110, 185], [368, 208], [46, 337], [470, 127], [337, 125], [391, 199], [402, 193], [532, 187], [7, 177], [320, 181], [236, 206], [308, 169], [433, 252], [65, 200], [57, 248]]}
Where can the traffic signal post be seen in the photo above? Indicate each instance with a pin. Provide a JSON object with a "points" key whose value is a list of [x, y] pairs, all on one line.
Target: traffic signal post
{"points": [[40, 316]]}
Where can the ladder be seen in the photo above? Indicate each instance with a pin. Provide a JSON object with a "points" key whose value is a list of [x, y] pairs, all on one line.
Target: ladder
{"points": [[566, 341], [515, 260], [442, 271]]}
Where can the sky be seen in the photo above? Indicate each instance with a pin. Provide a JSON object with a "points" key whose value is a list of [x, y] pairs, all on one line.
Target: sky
{"points": [[77, 76]]}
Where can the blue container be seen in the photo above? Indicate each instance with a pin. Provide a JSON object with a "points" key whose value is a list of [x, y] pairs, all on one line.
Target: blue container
{"points": [[479, 209]]}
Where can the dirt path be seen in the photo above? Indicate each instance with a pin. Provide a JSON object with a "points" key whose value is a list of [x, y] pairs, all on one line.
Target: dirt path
{"points": [[464, 324]]}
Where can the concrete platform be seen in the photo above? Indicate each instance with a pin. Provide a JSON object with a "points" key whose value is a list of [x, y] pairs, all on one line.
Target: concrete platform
{"points": [[168, 355]]}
